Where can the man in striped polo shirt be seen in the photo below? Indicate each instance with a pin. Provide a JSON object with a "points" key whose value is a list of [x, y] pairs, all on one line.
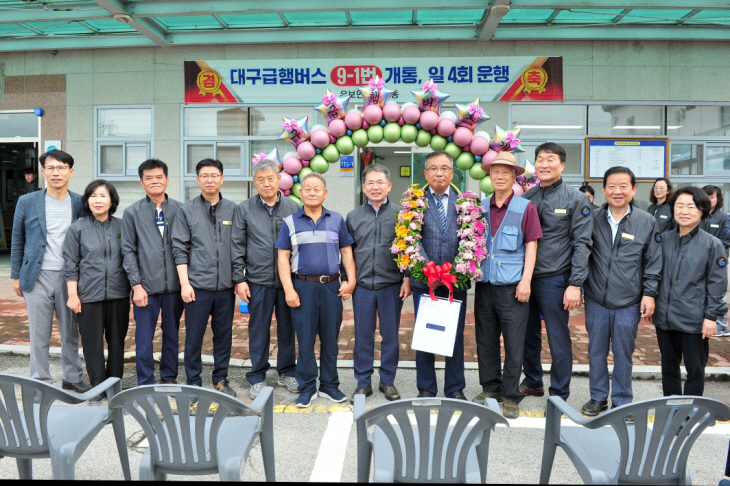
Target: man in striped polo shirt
{"points": [[310, 244]]}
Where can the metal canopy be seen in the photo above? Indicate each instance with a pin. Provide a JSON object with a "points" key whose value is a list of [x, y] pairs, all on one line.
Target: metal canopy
{"points": [[72, 24]]}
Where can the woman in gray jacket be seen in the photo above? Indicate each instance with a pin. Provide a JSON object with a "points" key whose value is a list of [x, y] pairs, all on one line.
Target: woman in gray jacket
{"points": [[98, 288]]}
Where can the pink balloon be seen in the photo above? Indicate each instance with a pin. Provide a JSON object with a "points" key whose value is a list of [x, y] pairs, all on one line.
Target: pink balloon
{"points": [[411, 115], [332, 139], [286, 181], [306, 150], [517, 189], [429, 120], [305, 163], [353, 120], [391, 112], [373, 114], [292, 165], [462, 136], [287, 192], [467, 148], [489, 157], [365, 125], [320, 139], [446, 127], [401, 121], [479, 145], [337, 128]]}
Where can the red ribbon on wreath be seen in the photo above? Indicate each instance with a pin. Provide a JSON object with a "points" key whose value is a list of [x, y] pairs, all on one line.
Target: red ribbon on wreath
{"points": [[434, 273]]}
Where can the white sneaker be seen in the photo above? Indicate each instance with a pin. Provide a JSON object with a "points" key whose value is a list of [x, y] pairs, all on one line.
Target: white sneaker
{"points": [[723, 334], [256, 389]]}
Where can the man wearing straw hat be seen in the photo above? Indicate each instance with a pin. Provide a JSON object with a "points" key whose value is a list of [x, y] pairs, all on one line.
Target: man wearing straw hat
{"points": [[501, 303]]}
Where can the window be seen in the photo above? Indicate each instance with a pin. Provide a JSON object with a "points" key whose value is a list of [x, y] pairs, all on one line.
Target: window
{"points": [[625, 120], [550, 120]]}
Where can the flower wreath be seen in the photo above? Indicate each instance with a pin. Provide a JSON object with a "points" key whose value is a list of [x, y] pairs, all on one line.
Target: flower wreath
{"points": [[472, 242]]}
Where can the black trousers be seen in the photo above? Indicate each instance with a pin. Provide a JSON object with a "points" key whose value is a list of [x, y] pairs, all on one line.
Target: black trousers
{"points": [[99, 320], [673, 346], [497, 311]]}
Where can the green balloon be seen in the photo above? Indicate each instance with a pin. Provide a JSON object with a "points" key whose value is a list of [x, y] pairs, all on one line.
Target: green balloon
{"points": [[304, 172], [452, 149], [408, 133], [438, 142], [295, 189], [331, 153], [295, 199], [375, 133], [319, 164], [465, 161], [360, 138], [423, 138], [486, 185], [391, 131], [345, 145], [476, 172]]}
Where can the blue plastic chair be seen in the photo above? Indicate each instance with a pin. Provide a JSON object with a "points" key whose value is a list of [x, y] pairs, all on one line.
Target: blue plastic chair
{"points": [[45, 429], [456, 453], [196, 444], [619, 446]]}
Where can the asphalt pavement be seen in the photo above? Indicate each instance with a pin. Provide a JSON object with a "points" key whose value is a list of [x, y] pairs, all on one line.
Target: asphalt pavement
{"points": [[319, 443]]}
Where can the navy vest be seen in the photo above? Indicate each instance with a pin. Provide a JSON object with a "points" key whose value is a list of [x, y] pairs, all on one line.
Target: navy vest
{"points": [[506, 259]]}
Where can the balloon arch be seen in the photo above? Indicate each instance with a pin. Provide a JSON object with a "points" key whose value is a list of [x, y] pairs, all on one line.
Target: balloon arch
{"points": [[421, 123]]}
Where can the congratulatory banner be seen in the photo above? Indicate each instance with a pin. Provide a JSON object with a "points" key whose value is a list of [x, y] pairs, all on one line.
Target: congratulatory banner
{"points": [[517, 78]]}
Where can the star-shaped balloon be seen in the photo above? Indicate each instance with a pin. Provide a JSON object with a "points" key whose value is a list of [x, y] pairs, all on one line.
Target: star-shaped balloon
{"points": [[506, 140], [333, 107], [295, 131], [375, 93], [470, 116], [429, 97], [272, 156]]}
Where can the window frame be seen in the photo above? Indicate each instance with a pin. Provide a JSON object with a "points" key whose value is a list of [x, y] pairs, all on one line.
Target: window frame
{"points": [[128, 173]]}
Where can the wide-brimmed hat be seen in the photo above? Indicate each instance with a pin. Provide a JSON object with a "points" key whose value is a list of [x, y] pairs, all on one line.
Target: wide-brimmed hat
{"points": [[504, 158]]}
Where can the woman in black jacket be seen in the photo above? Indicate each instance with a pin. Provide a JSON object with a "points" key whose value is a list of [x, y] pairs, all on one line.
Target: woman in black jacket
{"points": [[98, 288], [691, 293], [717, 225], [659, 196]]}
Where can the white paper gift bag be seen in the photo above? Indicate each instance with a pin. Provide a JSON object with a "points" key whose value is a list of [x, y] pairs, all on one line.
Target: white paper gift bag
{"points": [[436, 324]]}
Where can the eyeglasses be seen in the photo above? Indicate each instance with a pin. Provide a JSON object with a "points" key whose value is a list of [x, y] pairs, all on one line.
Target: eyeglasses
{"points": [[212, 177], [443, 169], [62, 169], [370, 184]]}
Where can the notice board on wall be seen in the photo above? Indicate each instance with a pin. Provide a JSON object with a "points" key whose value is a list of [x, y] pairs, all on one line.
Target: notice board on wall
{"points": [[648, 158]]}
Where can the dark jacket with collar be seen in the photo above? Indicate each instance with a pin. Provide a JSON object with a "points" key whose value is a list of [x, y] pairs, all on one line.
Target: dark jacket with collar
{"points": [[717, 225], [374, 235], [147, 254], [663, 216], [93, 254], [694, 281], [28, 247], [623, 270], [254, 240], [204, 245], [567, 228]]}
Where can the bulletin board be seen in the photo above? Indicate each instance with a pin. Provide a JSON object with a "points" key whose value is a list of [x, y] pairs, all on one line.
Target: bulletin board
{"points": [[648, 158]]}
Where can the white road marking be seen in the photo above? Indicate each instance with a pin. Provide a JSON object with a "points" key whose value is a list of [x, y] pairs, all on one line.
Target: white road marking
{"points": [[331, 455]]}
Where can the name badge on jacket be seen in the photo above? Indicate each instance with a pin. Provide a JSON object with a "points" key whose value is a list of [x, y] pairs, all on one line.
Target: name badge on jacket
{"points": [[561, 211], [227, 223], [627, 236]]}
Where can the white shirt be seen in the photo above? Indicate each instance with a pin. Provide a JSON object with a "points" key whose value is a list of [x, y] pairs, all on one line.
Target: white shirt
{"points": [[613, 223], [444, 196]]}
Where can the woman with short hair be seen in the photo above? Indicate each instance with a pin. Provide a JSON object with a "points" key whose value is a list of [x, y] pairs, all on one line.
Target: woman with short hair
{"points": [[98, 288]]}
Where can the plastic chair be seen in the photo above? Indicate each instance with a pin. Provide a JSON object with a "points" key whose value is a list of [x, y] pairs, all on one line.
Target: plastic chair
{"points": [[181, 443], [44, 429], [619, 446], [458, 445]]}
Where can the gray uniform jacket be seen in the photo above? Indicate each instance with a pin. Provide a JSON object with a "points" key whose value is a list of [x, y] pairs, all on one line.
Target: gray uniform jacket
{"points": [[663, 216], [717, 225], [93, 254], [567, 227], [694, 281], [621, 271], [374, 235], [147, 254], [254, 237], [204, 245]]}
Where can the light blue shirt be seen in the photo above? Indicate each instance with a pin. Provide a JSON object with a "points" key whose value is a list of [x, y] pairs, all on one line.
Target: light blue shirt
{"points": [[613, 223], [378, 209], [444, 197]]}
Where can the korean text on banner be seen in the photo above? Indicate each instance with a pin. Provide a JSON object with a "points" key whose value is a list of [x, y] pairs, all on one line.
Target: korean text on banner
{"points": [[436, 325]]}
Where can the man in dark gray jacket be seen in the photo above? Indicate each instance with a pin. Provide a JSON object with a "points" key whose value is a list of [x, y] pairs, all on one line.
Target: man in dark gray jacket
{"points": [[380, 288], [150, 266], [256, 227], [560, 269], [201, 245], [623, 274]]}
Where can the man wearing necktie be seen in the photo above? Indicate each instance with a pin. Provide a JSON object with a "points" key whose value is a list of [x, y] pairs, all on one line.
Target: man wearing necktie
{"points": [[440, 244]]}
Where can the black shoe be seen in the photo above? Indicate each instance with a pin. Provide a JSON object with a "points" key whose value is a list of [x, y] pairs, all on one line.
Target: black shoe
{"points": [[390, 392], [532, 391], [629, 420], [458, 395], [425, 394], [222, 386], [97, 399], [79, 387], [367, 391], [594, 407]]}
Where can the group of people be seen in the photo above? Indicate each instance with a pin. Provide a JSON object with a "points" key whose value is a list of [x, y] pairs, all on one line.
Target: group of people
{"points": [[71, 255]]}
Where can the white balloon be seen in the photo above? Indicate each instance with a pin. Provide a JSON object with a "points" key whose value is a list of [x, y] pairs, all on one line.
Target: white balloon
{"points": [[317, 127], [482, 133], [289, 154], [406, 105], [450, 115]]}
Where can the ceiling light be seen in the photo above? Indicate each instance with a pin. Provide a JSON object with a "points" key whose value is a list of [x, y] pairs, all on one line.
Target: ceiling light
{"points": [[550, 127], [674, 127], [499, 10], [123, 18], [402, 152], [635, 127]]}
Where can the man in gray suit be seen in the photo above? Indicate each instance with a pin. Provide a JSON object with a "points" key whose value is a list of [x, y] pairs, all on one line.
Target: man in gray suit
{"points": [[39, 229]]}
